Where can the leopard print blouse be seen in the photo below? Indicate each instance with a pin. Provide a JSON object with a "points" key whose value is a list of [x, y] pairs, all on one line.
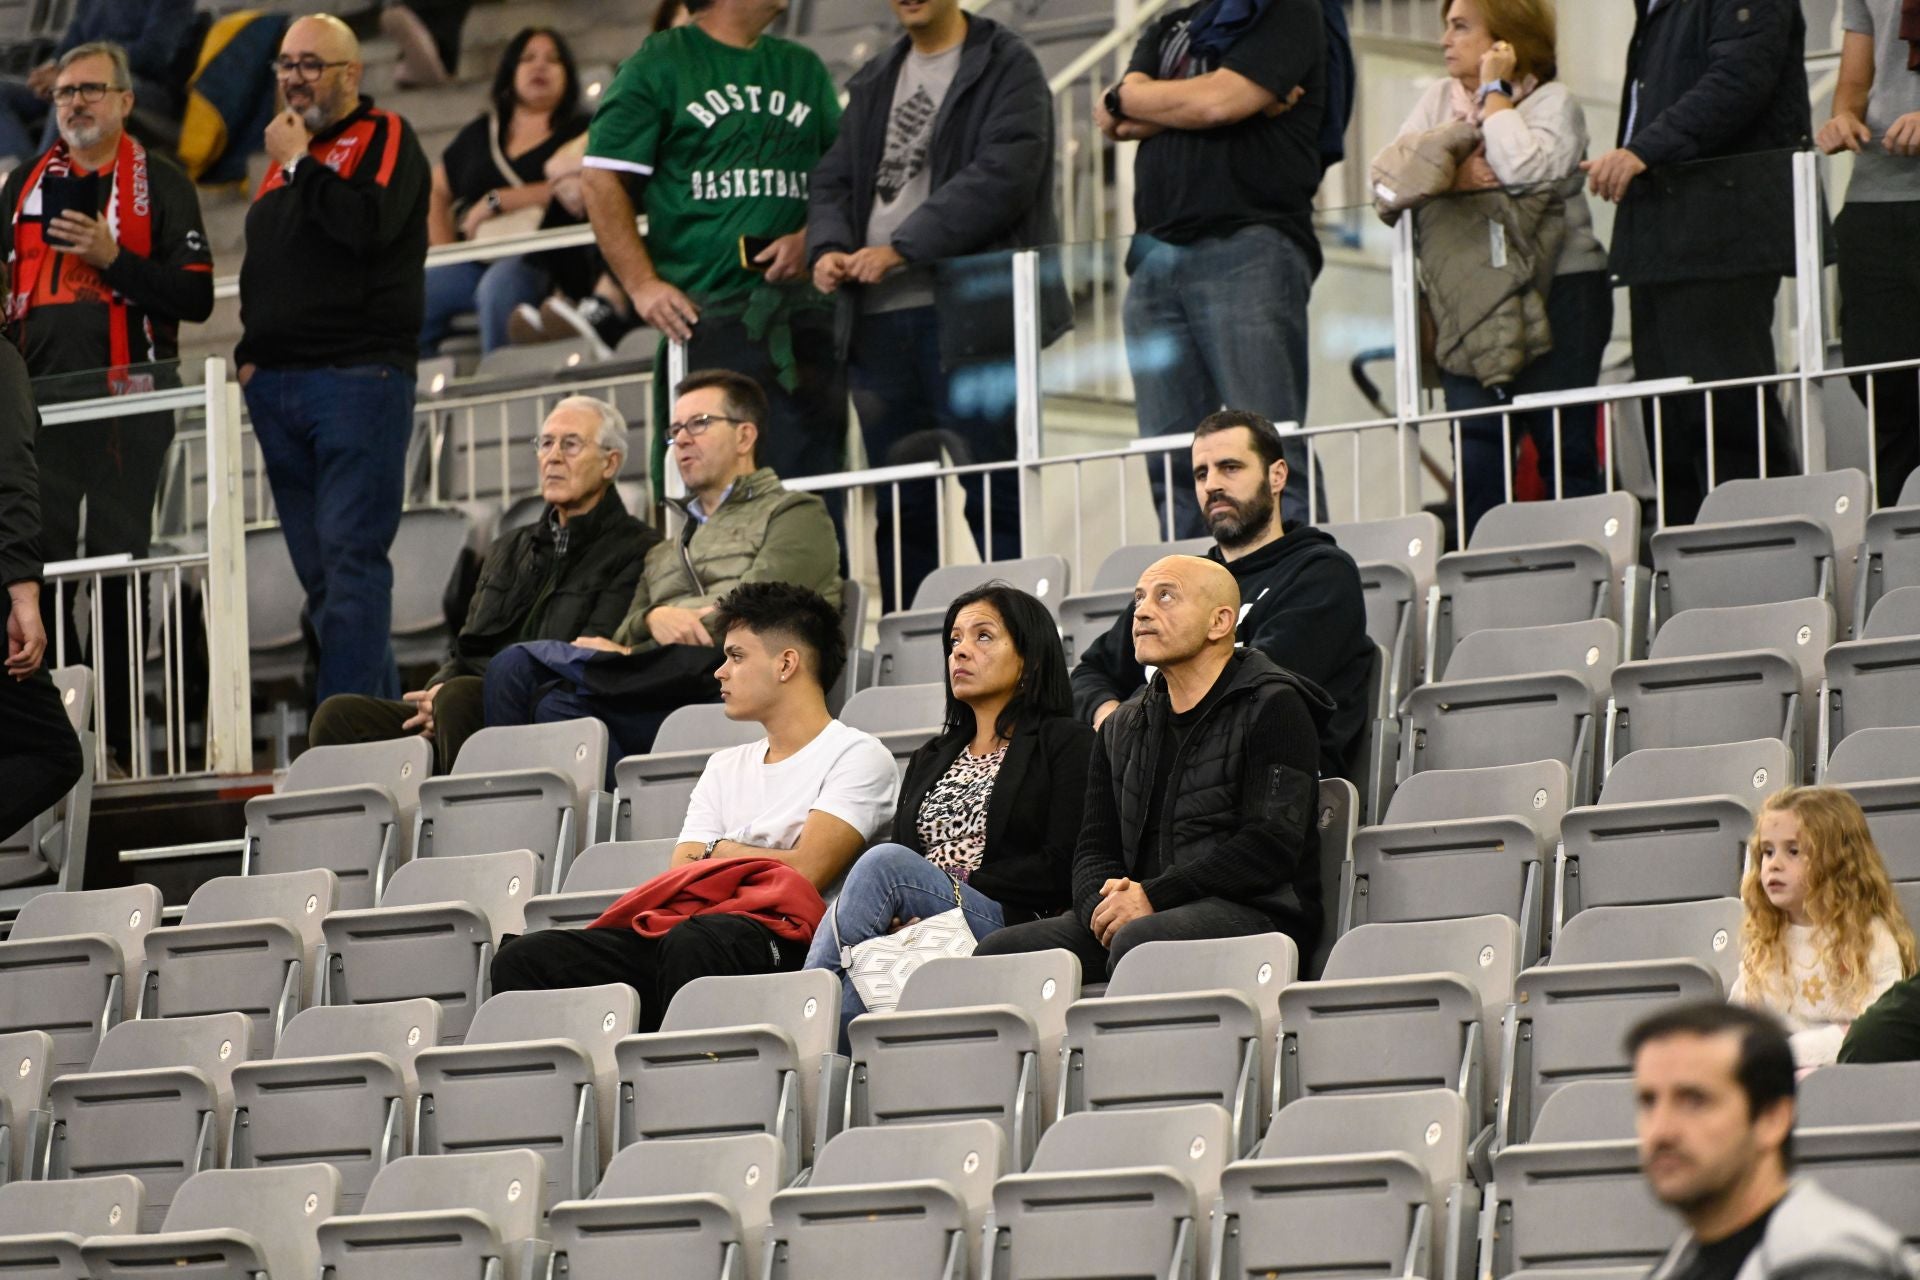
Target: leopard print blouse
{"points": [[953, 817]]}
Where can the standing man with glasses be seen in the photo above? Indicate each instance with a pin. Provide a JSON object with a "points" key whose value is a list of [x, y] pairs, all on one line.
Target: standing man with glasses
{"points": [[332, 294], [739, 525], [569, 573], [106, 254]]}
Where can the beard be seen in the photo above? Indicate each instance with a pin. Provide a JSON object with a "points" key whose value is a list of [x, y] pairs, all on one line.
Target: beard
{"points": [[1243, 521], [83, 137]]}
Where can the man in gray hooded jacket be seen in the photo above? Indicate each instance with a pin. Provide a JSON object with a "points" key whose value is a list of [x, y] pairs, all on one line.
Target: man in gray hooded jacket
{"points": [[1714, 1089]]}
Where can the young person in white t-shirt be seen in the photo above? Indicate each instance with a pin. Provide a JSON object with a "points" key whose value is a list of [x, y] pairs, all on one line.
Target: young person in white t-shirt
{"points": [[812, 793]]}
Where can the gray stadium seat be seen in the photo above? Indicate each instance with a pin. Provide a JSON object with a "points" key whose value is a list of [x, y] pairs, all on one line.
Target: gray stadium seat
{"points": [[1462, 842], [1403, 1006], [1089, 615], [536, 1071], [72, 964], [1183, 1022], [738, 1054], [1875, 1167], [598, 878], [1338, 814], [973, 1038], [653, 789], [1859, 1093], [1874, 682], [1880, 768], [1890, 559], [348, 808], [1398, 561], [911, 649], [251, 943], [524, 786], [1531, 564], [435, 936], [444, 1218], [156, 1103], [1762, 541], [1361, 1187], [229, 1224], [1509, 697], [693, 1207], [426, 549], [26, 1064], [1572, 1205], [1705, 929], [339, 1088], [858, 673], [1114, 1193], [1671, 825], [903, 717], [42, 1224], [57, 839], [1725, 675], [910, 1200], [1588, 1111], [276, 650]]}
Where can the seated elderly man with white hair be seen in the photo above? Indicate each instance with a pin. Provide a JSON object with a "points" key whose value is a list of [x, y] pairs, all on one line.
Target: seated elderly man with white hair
{"points": [[568, 574]]}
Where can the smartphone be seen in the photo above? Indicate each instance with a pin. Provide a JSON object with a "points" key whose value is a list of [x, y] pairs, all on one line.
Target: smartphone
{"points": [[752, 247], [62, 193]]}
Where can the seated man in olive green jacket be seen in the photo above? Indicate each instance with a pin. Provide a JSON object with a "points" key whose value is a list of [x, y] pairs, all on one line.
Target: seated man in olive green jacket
{"points": [[741, 525], [569, 573]]}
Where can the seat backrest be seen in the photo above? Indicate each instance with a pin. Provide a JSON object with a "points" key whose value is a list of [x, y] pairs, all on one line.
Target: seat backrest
{"points": [[1429, 1126], [1859, 1093], [1707, 931], [506, 1186], [592, 1017], [1536, 793], [968, 1155], [1043, 577], [1258, 964], [576, 748], [1610, 521], [1588, 650], [281, 1208], [1870, 755], [1413, 541], [704, 726], [1800, 629], [300, 899], [274, 594], [399, 765], [1194, 1141], [82, 1206], [1485, 951], [806, 1005], [1587, 1111], [618, 864], [214, 1043], [896, 707], [1122, 568], [1747, 771], [398, 1028], [743, 1167], [1043, 983], [426, 547], [1895, 614], [495, 884], [75, 684], [1837, 499], [126, 915]]}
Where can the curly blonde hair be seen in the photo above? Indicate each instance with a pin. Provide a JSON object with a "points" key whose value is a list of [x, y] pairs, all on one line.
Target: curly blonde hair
{"points": [[1847, 890]]}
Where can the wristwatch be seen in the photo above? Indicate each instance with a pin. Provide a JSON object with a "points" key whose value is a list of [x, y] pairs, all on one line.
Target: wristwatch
{"points": [[708, 851], [1500, 87], [493, 201], [287, 170], [1112, 102]]}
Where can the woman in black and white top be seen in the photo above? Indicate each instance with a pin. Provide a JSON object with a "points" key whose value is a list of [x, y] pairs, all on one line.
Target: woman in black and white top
{"points": [[989, 811], [491, 181]]}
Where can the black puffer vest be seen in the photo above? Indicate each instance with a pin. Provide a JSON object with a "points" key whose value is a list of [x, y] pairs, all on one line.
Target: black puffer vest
{"points": [[1206, 803]]}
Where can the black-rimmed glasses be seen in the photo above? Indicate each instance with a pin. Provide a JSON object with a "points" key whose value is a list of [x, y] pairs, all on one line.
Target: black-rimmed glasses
{"points": [[307, 69], [697, 425], [90, 92]]}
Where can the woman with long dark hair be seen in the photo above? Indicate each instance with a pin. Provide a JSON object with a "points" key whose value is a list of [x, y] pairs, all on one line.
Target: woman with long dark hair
{"points": [[990, 809]]}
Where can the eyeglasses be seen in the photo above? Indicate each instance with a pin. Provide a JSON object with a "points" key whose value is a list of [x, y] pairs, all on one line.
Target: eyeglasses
{"points": [[307, 69], [90, 92], [570, 447], [697, 425]]}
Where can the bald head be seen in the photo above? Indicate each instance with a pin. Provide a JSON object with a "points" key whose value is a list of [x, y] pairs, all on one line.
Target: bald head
{"points": [[1183, 607], [324, 34], [319, 70]]}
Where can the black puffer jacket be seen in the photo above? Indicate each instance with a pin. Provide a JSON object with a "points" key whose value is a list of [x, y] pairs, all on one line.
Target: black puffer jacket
{"points": [[581, 592]]}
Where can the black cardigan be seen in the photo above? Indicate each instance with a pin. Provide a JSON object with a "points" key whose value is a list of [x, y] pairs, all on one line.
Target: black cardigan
{"points": [[1033, 819]]}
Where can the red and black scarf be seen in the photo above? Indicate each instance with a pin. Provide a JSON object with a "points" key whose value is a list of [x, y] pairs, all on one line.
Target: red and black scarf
{"points": [[38, 275]]}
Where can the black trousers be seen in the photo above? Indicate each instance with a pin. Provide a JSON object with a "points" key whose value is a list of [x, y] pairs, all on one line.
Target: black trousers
{"points": [[1709, 330], [1880, 323], [655, 967], [39, 754], [353, 717], [1204, 918]]}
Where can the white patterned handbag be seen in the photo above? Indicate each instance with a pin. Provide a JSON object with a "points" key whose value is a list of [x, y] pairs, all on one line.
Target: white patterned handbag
{"points": [[881, 966]]}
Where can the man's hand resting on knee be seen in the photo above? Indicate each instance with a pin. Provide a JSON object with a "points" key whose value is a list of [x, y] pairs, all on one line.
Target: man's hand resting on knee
{"points": [[422, 702], [1121, 902]]}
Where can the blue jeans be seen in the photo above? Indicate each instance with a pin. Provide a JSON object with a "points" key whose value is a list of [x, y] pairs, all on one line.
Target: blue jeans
{"points": [[1219, 323], [904, 396], [490, 289], [335, 445], [889, 882], [540, 683]]}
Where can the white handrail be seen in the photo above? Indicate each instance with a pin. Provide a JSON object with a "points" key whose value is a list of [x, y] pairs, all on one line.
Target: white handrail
{"points": [[447, 255], [1124, 33]]}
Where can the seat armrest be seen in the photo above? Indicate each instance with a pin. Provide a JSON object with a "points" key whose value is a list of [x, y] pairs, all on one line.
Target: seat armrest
{"points": [[109, 1257]]}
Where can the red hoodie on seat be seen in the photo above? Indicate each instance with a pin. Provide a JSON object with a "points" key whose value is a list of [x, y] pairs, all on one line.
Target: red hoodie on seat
{"points": [[766, 890]]}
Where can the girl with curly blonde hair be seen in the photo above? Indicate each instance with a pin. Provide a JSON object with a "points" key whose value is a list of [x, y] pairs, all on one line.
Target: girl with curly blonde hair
{"points": [[1824, 934]]}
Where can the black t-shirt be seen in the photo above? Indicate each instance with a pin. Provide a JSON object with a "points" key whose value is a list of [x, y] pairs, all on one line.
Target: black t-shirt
{"points": [[1723, 1259], [1262, 171], [471, 171], [1174, 736]]}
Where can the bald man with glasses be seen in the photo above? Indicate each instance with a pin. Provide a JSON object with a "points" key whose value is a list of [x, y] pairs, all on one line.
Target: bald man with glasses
{"points": [[332, 294]]}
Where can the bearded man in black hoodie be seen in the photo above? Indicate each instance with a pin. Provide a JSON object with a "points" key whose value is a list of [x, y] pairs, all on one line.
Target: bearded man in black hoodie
{"points": [[1301, 602]]}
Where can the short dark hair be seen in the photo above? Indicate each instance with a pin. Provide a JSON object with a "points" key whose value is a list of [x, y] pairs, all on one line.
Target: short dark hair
{"points": [[1266, 436], [744, 398], [1044, 688], [1765, 1068], [501, 94], [791, 613]]}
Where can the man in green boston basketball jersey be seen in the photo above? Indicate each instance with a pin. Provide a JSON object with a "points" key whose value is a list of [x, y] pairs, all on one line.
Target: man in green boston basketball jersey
{"points": [[720, 126]]}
